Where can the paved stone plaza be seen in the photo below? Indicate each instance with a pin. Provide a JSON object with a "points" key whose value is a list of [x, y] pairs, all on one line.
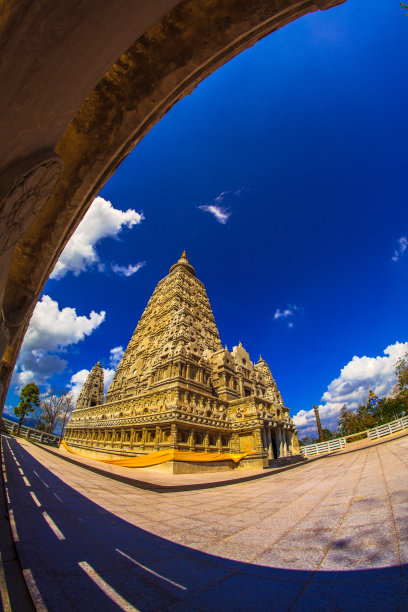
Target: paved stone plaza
{"points": [[330, 535]]}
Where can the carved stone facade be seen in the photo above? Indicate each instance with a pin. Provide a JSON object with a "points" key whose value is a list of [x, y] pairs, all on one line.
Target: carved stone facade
{"points": [[177, 387], [92, 390]]}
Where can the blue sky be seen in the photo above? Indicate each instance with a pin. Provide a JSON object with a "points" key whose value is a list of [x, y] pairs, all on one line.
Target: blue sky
{"points": [[300, 144]]}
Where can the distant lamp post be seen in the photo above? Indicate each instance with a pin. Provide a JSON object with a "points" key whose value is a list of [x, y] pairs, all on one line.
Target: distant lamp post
{"points": [[319, 425]]}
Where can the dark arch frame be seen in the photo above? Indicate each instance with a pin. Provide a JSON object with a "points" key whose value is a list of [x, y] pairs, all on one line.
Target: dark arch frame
{"points": [[78, 102]]}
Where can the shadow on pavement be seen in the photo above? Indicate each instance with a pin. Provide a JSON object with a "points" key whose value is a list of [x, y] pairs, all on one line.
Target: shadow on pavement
{"points": [[152, 573]]}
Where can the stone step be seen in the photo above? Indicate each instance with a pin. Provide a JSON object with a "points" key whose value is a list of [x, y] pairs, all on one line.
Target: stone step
{"points": [[282, 461]]}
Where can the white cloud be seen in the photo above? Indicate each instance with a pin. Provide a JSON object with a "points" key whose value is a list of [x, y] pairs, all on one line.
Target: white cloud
{"points": [[109, 373], [116, 355], [287, 312], [220, 197], [127, 270], [101, 221], [351, 388], [76, 382], [8, 411], [50, 332], [401, 248], [221, 213]]}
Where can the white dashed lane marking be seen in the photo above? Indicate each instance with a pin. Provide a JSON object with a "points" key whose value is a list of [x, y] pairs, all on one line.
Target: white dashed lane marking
{"points": [[33, 495], [13, 526], [34, 592], [147, 569], [4, 596], [106, 588], [53, 526]]}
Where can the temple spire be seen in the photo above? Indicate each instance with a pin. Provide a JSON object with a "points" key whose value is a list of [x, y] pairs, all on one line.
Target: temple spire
{"points": [[92, 390], [183, 261]]}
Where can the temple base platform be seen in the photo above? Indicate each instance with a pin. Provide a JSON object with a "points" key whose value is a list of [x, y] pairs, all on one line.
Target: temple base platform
{"points": [[172, 461]]}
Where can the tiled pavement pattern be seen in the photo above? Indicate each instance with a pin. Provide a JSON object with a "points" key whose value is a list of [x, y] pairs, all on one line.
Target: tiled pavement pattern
{"points": [[332, 535]]}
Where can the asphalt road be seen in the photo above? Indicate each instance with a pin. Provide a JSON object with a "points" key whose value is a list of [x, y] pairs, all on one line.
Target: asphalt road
{"points": [[332, 535]]}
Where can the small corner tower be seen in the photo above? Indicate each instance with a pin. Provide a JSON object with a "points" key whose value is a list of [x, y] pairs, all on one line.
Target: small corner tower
{"points": [[92, 390]]}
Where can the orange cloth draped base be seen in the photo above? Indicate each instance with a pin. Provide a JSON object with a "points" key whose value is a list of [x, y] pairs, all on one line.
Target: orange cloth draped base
{"points": [[163, 456]]}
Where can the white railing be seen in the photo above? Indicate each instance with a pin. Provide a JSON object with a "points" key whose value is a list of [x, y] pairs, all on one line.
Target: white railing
{"points": [[388, 428], [31, 433], [340, 443], [323, 447]]}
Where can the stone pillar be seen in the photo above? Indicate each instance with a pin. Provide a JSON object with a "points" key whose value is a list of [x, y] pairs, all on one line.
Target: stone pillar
{"points": [[319, 426], [219, 443], [241, 386], [157, 439], [174, 436], [289, 442], [206, 442], [143, 440], [235, 443], [278, 439], [295, 444], [285, 447], [192, 440], [258, 441], [270, 445], [264, 441]]}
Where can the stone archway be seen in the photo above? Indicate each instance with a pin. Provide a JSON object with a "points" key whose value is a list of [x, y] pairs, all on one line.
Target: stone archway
{"points": [[80, 89]]}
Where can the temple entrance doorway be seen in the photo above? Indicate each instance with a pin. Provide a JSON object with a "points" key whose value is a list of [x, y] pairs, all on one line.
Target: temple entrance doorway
{"points": [[274, 447]]}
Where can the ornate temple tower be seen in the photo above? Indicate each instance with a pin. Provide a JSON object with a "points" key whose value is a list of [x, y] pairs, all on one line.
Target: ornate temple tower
{"points": [[176, 387], [174, 336], [92, 390]]}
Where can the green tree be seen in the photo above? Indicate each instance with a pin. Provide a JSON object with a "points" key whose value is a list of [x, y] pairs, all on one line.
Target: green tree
{"points": [[306, 440], [391, 408], [348, 422], [29, 401], [401, 372], [372, 414]]}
